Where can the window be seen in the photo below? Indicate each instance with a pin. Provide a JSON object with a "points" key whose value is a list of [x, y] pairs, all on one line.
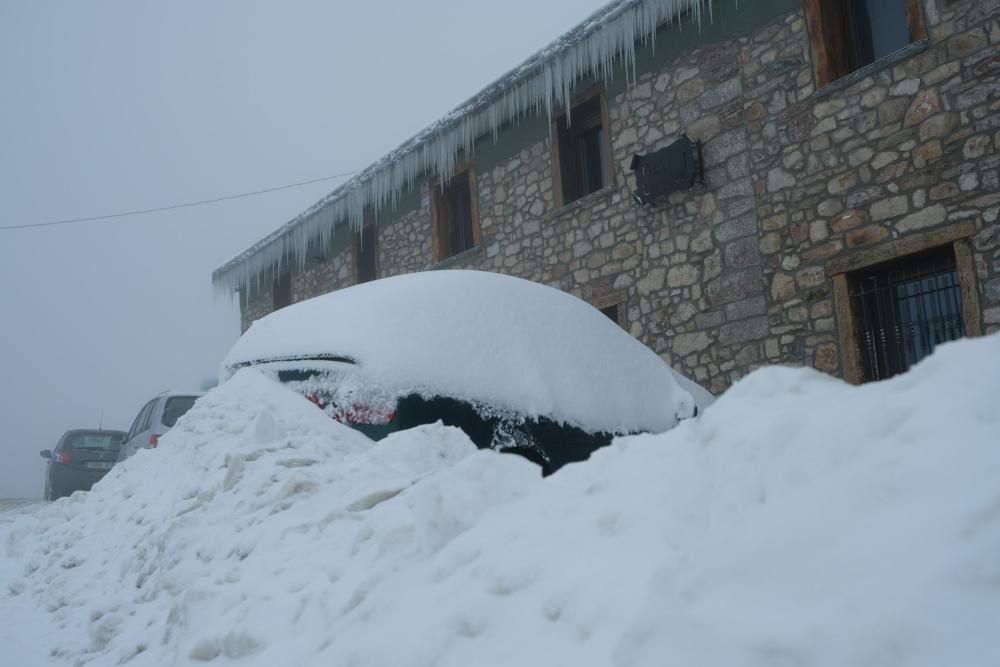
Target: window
{"points": [[847, 35], [903, 308], [456, 215], [896, 300], [581, 151], [366, 252], [613, 313], [147, 419], [109, 441], [612, 306], [175, 408], [140, 418], [282, 291]]}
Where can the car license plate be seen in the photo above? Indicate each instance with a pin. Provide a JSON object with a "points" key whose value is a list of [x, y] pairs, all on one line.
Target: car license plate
{"points": [[101, 465]]}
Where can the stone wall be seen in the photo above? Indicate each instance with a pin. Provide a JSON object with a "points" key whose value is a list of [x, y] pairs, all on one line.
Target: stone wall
{"points": [[727, 277], [254, 304], [325, 271], [909, 148]]}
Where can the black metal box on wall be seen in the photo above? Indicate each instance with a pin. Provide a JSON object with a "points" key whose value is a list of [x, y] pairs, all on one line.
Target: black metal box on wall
{"points": [[662, 172]]}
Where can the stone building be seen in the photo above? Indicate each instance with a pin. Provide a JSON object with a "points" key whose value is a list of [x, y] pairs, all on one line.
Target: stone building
{"points": [[847, 218]]}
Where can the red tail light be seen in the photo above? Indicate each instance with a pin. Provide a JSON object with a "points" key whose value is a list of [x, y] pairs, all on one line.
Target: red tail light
{"points": [[313, 397], [154, 440], [364, 414], [63, 457], [355, 414]]}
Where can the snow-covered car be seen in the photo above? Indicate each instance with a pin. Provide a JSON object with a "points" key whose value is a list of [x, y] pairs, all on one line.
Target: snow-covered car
{"points": [[155, 418], [519, 366]]}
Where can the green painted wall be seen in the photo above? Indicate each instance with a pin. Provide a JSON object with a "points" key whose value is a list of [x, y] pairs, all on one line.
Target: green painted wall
{"points": [[730, 19], [511, 140], [342, 237], [409, 200]]}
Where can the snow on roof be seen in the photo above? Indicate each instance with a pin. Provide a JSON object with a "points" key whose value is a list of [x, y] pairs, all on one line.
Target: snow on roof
{"points": [[801, 521], [542, 82], [513, 344]]}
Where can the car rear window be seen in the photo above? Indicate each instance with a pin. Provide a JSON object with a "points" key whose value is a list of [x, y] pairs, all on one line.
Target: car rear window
{"points": [[175, 408], [97, 441], [296, 375]]}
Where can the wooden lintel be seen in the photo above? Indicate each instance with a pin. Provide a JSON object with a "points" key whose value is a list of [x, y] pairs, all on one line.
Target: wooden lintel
{"points": [[906, 245]]}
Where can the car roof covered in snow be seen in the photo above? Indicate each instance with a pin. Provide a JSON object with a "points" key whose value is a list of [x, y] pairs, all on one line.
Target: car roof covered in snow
{"points": [[488, 338]]}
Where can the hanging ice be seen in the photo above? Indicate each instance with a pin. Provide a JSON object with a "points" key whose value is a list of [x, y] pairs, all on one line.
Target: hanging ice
{"points": [[541, 84]]}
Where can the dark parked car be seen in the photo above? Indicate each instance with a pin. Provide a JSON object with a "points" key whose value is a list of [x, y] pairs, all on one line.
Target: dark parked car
{"points": [[80, 460], [519, 366]]}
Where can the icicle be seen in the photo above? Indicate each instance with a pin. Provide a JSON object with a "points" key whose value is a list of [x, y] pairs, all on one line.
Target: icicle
{"points": [[596, 47]]}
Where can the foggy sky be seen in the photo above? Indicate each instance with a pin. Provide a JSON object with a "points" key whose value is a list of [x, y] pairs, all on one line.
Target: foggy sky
{"points": [[114, 106]]}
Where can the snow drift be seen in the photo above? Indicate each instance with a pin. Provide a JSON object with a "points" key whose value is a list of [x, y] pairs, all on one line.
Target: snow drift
{"points": [[800, 521]]}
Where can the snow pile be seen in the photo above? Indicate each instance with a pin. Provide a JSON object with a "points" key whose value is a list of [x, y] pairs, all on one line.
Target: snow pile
{"points": [[799, 522], [516, 345]]}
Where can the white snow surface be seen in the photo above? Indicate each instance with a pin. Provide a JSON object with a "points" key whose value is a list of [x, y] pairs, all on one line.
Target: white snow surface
{"points": [[800, 521], [514, 344]]}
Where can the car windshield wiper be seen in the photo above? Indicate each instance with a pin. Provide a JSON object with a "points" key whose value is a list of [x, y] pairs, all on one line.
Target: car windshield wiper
{"points": [[300, 357]]}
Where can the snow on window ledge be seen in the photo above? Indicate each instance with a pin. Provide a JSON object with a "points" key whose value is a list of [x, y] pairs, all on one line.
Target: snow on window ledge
{"points": [[583, 202], [888, 61], [449, 262]]}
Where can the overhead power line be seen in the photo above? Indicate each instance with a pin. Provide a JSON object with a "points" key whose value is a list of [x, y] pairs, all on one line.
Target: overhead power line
{"points": [[201, 202]]}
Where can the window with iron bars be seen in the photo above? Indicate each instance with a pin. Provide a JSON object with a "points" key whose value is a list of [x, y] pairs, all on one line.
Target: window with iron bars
{"points": [[613, 313], [903, 309]]}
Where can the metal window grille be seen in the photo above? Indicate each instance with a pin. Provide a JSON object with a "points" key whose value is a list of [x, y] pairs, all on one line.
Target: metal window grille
{"points": [[613, 313], [903, 309]]}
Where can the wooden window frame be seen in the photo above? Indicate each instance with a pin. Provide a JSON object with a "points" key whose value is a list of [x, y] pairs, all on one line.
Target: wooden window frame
{"points": [[609, 161], [841, 268], [369, 223], [829, 62], [439, 240]]}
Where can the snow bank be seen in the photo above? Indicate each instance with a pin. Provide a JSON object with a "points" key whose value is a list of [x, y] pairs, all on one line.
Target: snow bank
{"points": [[799, 522], [514, 344]]}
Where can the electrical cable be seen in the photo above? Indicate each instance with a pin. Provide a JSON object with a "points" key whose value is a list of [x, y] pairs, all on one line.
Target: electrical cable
{"points": [[200, 202]]}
